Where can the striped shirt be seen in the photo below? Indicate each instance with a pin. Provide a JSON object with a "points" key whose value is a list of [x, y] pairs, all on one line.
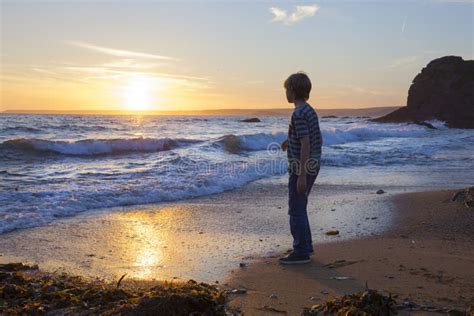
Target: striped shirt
{"points": [[304, 122]]}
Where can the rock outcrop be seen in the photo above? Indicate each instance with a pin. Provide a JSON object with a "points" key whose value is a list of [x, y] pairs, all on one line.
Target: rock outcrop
{"points": [[251, 120], [443, 90]]}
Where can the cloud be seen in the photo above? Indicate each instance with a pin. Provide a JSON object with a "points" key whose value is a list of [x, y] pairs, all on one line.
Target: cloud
{"points": [[299, 13], [279, 15], [118, 52]]}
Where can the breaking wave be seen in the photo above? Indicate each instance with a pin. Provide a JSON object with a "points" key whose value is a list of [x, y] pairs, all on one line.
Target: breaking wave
{"points": [[91, 147]]}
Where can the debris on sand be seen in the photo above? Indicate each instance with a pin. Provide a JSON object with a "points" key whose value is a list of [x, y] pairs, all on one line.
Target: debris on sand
{"points": [[239, 291], [332, 232], [26, 290], [267, 308], [466, 196], [369, 302], [339, 264], [380, 191], [341, 278]]}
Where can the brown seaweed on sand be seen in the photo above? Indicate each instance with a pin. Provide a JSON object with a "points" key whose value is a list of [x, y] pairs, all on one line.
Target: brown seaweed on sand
{"points": [[369, 302], [466, 196], [26, 290]]}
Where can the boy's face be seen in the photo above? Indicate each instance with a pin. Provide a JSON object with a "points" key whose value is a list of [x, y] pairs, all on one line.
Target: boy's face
{"points": [[290, 96]]}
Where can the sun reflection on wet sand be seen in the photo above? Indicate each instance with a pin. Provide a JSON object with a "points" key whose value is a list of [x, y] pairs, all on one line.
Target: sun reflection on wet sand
{"points": [[143, 242], [149, 255]]}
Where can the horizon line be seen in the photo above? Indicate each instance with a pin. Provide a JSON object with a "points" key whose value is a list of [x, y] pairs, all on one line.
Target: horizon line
{"points": [[267, 111]]}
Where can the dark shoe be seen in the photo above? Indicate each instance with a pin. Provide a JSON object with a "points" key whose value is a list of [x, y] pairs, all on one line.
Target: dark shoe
{"points": [[293, 258]]}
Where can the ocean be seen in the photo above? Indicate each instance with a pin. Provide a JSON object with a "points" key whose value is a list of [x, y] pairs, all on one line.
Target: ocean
{"points": [[52, 166]]}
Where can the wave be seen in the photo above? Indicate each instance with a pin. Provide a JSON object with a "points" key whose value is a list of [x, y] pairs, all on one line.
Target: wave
{"points": [[370, 131], [185, 178], [24, 129], [230, 143], [331, 136], [91, 147]]}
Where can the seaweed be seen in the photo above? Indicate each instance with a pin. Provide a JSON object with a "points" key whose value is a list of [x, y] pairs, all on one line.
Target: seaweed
{"points": [[369, 302], [26, 290]]}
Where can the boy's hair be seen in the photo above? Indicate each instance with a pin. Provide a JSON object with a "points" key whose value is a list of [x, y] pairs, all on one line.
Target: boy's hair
{"points": [[300, 84]]}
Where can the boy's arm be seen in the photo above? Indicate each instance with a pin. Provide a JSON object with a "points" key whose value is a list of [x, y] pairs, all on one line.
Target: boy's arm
{"points": [[284, 145], [304, 156]]}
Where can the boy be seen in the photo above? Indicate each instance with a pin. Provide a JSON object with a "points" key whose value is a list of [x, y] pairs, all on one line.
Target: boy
{"points": [[304, 153]]}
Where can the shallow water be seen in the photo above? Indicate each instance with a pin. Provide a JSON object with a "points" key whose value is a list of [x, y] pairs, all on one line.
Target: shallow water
{"points": [[203, 238]]}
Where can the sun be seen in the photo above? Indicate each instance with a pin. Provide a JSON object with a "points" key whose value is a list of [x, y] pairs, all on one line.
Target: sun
{"points": [[137, 94]]}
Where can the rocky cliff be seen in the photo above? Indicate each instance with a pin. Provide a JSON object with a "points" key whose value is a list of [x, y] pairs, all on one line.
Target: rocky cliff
{"points": [[443, 90]]}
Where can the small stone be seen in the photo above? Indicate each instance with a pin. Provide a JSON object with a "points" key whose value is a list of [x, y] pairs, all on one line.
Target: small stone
{"points": [[333, 210], [380, 191], [332, 232], [239, 291], [273, 297], [243, 264], [313, 298]]}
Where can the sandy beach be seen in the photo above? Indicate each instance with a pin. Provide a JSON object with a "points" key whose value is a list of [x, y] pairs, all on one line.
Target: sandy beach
{"points": [[417, 246], [426, 258]]}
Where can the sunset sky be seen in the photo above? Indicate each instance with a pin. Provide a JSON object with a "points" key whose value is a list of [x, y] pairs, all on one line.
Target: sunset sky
{"points": [[193, 55]]}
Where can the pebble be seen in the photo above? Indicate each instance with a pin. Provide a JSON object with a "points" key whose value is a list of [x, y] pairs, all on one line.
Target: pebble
{"points": [[273, 296], [243, 264], [380, 191], [341, 278], [239, 291]]}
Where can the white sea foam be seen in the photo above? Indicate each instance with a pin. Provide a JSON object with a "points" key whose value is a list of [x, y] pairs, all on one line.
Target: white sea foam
{"points": [[179, 182], [89, 147], [369, 131]]}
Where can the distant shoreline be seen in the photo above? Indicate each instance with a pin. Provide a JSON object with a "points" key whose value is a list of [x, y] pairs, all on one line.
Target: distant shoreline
{"points": [[370, 112]]}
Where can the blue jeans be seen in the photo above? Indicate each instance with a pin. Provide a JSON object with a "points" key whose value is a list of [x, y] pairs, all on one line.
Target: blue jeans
{"points": [[297, 209]]}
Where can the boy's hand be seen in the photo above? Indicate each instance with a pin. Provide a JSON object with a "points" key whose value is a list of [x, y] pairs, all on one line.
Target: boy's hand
{"points": [[301, 185], [284, 145]]}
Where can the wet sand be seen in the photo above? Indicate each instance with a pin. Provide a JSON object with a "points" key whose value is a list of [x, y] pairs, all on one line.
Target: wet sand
{"points": [[202, 238], [426, 257]]}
